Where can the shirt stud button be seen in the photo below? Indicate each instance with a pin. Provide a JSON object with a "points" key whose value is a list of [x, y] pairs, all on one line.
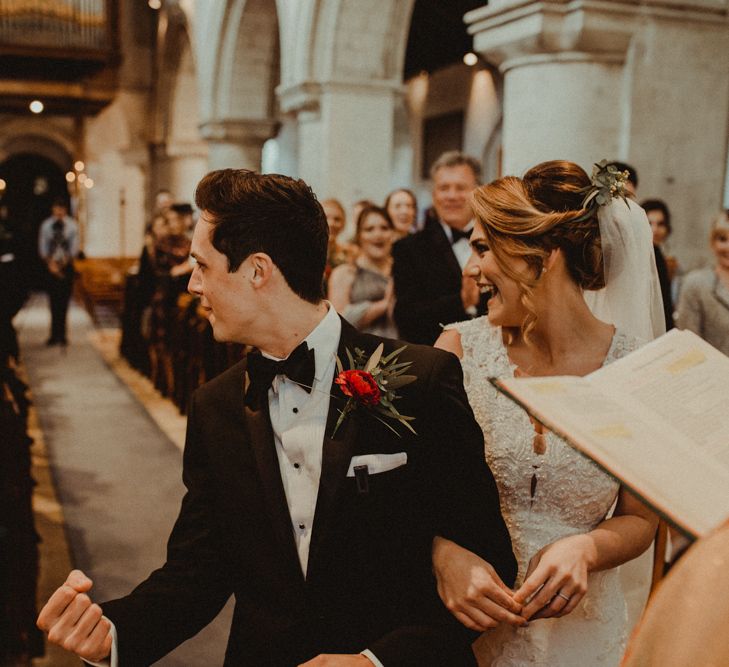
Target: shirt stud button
{"points": [[297, 466], [296, 411], [302, 526]]}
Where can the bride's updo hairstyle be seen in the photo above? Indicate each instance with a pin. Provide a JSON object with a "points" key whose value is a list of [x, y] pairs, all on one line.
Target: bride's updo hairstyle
{"points": [[529, 217]]}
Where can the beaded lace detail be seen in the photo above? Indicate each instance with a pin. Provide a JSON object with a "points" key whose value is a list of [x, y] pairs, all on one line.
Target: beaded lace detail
{"points": [[544, 497]]}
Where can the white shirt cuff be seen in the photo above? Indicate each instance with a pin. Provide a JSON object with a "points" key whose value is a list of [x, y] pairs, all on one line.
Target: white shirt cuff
{"points": [[367, 654], [113, 659]]}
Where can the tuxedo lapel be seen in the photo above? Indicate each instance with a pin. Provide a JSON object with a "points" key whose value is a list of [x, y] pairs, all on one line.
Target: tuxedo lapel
{"points": [[443, 251], [337, 452], [261, 439]]}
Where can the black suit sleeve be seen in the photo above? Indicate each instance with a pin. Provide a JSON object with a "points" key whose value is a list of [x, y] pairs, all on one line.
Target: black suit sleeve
{"points": [[461, 501], [468, 511], [418, 314], [185, 594]]}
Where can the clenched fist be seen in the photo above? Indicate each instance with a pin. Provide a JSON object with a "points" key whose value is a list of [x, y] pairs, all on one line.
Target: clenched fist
{"points": [[74, 622]]}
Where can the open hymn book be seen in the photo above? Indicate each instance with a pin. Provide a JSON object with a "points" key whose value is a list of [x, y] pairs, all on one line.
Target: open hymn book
{"points": [[657, 420]]}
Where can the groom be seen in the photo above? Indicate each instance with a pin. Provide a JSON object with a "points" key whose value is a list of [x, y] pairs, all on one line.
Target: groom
{"points": [[323, 537]]}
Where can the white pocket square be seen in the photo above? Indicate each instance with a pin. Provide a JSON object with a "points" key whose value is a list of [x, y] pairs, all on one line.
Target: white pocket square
{"points": [[377, 463]]}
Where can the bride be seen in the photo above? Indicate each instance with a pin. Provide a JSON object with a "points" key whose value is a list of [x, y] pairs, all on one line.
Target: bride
{"points": [[535, 250]]}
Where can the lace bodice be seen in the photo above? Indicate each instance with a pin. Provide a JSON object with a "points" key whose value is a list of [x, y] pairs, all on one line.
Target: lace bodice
{"points": [[543, 497]]}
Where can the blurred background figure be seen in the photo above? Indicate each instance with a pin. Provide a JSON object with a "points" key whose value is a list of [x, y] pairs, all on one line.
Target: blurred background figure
{"points": [[430, 289], [703, 306], [162, 201], [358, 206], [362, 291], [180, 218], [339, 252], [402, 207], [14, 287], [58, 246], [660, 218]]}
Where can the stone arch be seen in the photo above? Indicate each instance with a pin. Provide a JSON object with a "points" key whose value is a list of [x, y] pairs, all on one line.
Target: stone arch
{"points": [[31, 136], [180, 151], [247, 71], [237, 52]]}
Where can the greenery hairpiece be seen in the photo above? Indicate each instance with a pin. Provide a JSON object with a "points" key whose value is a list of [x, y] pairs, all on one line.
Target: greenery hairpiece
{"points": [[606, 183]]}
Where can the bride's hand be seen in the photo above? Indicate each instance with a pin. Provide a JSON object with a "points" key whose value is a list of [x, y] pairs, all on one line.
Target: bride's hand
{"points": [[556, 579], [471, 589]]}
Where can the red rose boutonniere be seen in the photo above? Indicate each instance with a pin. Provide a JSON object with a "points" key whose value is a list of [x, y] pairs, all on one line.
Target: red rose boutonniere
{"points": [[371, 384]]}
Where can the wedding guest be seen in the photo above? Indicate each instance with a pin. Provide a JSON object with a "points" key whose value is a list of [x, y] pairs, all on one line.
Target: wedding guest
{"points": [[180, 216], [173, 248], [338, 252], [402, 207], [703, 306], [537, 250], [427, 269], [323, 536], [163, 200], [58, 246], [660, 218], [358, 206], [362, 291]]}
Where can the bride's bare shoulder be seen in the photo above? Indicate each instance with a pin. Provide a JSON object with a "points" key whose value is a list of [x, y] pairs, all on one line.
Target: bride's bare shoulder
{"points": [[450, 340]]}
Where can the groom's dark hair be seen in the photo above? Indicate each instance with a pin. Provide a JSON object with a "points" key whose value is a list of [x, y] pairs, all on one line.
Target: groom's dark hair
{"points": [[268, 213]]}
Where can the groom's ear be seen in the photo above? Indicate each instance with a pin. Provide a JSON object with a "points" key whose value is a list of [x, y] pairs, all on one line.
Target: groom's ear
{"points": [[263, 268]]}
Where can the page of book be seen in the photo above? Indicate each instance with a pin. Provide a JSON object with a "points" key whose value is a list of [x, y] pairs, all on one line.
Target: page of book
{"points": [[658, 420]]}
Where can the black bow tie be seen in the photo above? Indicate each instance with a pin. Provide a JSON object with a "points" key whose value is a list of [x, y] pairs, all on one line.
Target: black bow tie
{"points": [[458, 234], [299, 367]]}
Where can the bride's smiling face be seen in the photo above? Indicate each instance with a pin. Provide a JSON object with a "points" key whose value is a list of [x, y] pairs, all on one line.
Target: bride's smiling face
{"points": [[505, 308]]}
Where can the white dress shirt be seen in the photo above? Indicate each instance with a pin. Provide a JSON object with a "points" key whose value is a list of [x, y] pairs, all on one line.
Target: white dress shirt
{"points": [[461, 248], [299, 420]]}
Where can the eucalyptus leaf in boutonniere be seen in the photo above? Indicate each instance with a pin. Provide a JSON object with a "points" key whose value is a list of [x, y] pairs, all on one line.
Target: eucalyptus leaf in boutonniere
{"points": [[371, 383]]}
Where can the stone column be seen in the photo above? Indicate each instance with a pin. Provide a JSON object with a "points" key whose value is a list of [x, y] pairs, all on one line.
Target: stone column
{"points": [[344, 136], [237, 143], [563, 66], [644, 81]]}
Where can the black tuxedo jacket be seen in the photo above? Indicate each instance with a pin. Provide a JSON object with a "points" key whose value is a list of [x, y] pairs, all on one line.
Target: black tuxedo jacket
{"points": [[427, 280], [369, 582]]}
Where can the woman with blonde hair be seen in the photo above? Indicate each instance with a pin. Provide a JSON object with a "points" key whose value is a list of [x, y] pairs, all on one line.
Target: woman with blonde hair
{"points": [[537, 248], [338, 252], [703, 305]]}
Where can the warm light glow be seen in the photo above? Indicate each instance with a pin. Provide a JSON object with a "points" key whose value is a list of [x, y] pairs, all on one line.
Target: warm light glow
{"points": [[36, 106], [3, 184], [70, 176], [78, 165], [155, 4], [89, 183], [470, 59], [81, 177]]}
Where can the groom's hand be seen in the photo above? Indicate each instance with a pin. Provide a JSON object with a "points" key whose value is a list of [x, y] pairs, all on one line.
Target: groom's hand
{"points": [[471, 589], [73, 622], [329, 660]]}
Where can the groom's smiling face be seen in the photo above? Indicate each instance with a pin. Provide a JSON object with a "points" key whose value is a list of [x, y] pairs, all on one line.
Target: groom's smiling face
{"points": [[227, 298]]}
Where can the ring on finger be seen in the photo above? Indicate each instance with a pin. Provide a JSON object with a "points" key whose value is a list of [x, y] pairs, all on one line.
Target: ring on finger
{"points": [[563, 596]]}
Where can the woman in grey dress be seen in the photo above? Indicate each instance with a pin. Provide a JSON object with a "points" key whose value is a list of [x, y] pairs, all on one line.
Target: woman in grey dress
{"points": [[703, 305], [361, 291]]}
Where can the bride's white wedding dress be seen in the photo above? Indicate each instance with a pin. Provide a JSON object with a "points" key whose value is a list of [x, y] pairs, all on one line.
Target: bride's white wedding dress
{"points": [[543, 498]]}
